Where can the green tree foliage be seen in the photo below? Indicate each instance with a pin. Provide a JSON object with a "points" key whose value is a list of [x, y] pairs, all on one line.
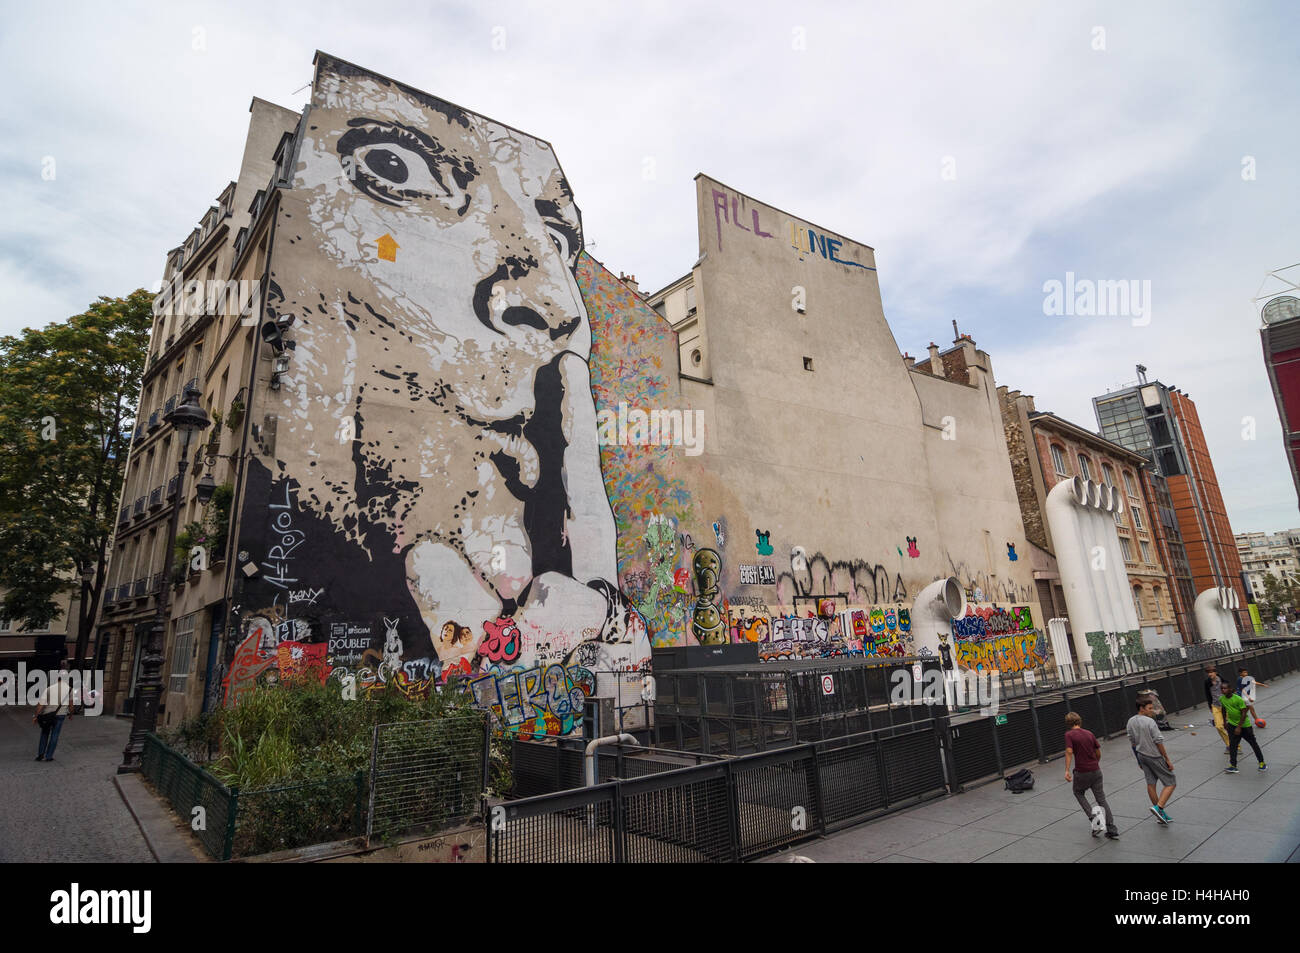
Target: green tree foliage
{"points": [[67, 408]]}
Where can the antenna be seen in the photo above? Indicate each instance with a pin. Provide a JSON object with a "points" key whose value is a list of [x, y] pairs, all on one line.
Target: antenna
{"points": [[1142, 373]]}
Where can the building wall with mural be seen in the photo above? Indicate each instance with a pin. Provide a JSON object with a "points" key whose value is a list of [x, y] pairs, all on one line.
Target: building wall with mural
{"points": [[474, 454]]}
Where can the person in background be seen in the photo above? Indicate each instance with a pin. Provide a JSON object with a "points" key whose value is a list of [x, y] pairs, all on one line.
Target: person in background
{"points": [[1084, 751], [1246, 685], [1212, 698], [53, 708], [1149, 747], [1234, 713]]}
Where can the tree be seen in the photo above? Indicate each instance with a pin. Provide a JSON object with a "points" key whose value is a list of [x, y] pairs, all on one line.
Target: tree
{"points": [[67, 408]]}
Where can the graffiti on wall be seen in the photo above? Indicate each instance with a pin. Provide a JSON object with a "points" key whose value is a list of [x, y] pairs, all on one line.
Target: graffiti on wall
{"points": [[990, 637], [1107, 647]]}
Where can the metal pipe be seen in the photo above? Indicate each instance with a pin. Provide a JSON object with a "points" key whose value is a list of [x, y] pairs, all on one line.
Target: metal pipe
{"points": [[590, 755]]}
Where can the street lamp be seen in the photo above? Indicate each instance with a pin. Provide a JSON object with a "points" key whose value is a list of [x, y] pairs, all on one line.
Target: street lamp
{"points": [[187, 419]]}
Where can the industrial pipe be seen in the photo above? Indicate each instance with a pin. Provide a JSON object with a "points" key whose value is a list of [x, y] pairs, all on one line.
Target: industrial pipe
{"points": [[932, 613], [1213, 611], [590, 756]]}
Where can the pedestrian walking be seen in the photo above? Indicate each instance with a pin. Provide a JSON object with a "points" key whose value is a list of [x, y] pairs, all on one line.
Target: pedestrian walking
{"points": [[53, 707], [1234, 713], [1149, 748], [1213, 698], [1083, 753]]}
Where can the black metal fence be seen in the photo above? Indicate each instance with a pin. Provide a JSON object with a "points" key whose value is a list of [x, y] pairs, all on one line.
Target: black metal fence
{"points": [[425, 775], [726, 810], [743, 709], [741, 807]]}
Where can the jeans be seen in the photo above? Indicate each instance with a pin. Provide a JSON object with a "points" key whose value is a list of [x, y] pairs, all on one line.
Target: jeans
{"points": [[1248, 735], [50, 738], [1218, 726], [1085, 781]]}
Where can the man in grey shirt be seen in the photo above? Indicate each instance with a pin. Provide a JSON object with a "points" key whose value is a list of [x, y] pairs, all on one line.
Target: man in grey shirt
{"points": [[1149, 747]]}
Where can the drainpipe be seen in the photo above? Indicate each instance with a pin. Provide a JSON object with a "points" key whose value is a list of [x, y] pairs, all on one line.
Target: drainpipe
{"points": [[932, 613], [590, 766], [590, 756], [1214, 615]]}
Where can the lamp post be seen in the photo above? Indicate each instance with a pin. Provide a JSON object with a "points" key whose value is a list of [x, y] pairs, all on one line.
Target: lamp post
{"points": [[187, 419]]}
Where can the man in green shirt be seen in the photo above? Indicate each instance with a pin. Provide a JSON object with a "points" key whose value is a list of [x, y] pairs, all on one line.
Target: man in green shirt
{"points": [[1234, 716]]}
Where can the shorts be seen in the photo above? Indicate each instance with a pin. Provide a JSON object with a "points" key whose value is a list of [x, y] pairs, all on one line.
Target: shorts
{"points": [[1155, 769]]}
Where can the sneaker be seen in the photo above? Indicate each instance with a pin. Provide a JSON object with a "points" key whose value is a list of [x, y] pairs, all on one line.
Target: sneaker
{"points": [[40, 757], [1159, 814], [1096, 833], [1263, 766], [1232, 769], [1112, 836], [1164, 815]]}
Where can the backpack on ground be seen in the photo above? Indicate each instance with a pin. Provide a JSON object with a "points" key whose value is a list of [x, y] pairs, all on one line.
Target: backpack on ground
{"points": [[1022, 780]]}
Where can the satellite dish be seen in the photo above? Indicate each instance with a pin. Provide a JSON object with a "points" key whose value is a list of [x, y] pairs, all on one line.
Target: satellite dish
{"points": [[1281, 309]]}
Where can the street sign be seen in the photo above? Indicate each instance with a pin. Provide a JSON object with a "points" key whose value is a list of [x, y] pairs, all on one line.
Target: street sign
{"points": [[916, 671], [1000, 720], [828, 684], [1030, 677]]}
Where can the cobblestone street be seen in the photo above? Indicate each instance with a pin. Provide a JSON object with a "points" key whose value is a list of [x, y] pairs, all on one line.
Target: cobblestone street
{"points": [[66, 810]]}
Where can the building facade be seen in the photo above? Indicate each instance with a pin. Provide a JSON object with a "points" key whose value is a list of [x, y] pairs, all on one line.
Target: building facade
{"points": [[1269, 554], [1280, 339], [454, 444], [1161, 424], [1046, 450], [202, 339]]}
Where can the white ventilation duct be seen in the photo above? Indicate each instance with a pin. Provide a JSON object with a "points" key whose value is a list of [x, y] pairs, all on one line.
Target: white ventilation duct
{"points": [[1081, 515], [932, 613], [1213, 609]]}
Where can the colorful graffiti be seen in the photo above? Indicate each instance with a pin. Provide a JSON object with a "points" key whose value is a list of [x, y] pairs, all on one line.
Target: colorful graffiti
{"points": [[1108, 646], [989, 637], [707, 623], [539, 701]]}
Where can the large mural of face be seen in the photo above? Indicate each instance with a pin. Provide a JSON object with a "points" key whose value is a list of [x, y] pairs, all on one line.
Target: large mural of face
{"points": [[438, 402]]}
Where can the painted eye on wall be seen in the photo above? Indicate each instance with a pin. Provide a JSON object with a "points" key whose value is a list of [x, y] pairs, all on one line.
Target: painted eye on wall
{"points": [[395, 165]]}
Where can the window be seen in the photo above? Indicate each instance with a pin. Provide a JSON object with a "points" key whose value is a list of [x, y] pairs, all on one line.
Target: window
{"points": [[5, 624], [1137, 600], [1137, 515], [1058, 461], [1129, 484], [1084, 470], [1119, 517], [1146, 551], [1128, 550], [1108, 475], [182, 652]]}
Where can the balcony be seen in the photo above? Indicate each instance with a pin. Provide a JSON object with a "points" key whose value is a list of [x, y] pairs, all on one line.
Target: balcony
{"points": [[156, 581], [191, 384], [171, 487], [169, 406], [139, 587], [139, 433], [156, 498], [155, 421], [137, 508], [124, 515]]}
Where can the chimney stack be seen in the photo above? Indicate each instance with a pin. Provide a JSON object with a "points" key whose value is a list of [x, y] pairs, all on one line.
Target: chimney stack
{"points": [[936, 365], [630, 281]]}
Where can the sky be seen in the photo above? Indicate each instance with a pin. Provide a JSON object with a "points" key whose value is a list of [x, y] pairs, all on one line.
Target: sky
{"points": [[983, 150]]}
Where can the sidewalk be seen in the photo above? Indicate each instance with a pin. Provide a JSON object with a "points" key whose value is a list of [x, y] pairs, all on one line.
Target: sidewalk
{"points": [[1253, 816], [68, 809]]}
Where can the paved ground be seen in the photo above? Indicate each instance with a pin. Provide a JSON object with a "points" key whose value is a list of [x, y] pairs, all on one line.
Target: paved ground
{"points": [[66, 810], [1251, 816]]}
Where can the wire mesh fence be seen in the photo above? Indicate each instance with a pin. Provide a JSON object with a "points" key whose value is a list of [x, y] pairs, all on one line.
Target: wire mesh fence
{"points": [[425, 775]]}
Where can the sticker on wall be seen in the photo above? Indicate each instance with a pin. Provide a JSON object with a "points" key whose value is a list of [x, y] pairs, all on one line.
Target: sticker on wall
{"points": [[707, 622], [911, 547], [763, 546], [1011, 552], [720, 532], [388, 247], [764, 574]]}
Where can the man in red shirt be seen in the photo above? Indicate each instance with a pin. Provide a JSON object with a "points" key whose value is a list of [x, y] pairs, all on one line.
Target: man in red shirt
{"points": [[1083, 752]]}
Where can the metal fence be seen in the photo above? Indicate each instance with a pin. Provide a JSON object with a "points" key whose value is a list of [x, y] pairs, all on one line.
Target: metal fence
{"points": [[741, 807], [425, 775], [743, 709], [542, 767], [185, 786]]}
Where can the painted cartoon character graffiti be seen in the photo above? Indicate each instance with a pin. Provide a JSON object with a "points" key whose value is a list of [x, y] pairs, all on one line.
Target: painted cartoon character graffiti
{"points": [[891, 620], [764, 545], [1011, 552], [707, 623], [905, 621], [912, 551], [449, 329]]}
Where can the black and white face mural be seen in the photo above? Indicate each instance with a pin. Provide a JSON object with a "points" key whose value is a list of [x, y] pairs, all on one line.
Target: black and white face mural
{"points": [[437, 415]]}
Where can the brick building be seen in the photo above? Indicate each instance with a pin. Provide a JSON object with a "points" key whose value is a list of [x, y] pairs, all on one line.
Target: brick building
{"points": [[1045, 450]]}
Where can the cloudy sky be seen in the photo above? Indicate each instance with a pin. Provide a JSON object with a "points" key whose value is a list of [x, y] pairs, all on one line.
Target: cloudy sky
{"points": [[982, 149]]}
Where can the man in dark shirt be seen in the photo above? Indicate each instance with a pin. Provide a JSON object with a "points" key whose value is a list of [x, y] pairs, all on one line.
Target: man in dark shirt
{"points": [[1083, 751]]}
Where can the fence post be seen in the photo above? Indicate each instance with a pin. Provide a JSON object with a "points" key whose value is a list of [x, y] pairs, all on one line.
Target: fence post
{"points": [[620, 835], [232, 807], [997, 746], [374, 774], [947, 757], [733, 812], [1038, 735], [356, 803], [1101, 710]]}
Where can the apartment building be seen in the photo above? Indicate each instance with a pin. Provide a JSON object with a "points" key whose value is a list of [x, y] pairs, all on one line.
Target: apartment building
{"points": [[1047, 449], [203, 339], [1161, 424], [1269, 554]]}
